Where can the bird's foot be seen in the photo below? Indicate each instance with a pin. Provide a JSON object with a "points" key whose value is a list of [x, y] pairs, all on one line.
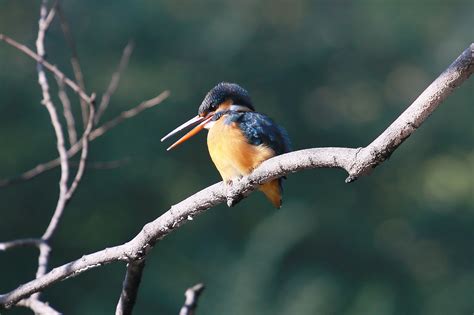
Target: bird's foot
{"points": [[232, 191]]}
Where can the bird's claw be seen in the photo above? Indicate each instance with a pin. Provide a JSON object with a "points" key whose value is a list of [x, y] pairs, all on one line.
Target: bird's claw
{"points": [[232, 195]]}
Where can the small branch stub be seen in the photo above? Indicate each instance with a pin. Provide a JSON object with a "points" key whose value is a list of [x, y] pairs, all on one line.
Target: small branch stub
{"points": [[191, 299]]}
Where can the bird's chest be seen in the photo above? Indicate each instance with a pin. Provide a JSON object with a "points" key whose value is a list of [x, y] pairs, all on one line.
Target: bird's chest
{"points": [[231, 152]]}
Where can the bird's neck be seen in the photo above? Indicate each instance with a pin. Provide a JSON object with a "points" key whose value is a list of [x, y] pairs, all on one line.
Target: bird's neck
{"points": [[232, 113], [239, 108]]}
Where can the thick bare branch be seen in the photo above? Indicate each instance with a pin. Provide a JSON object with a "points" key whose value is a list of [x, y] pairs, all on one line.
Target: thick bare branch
{"points": [[96, 133], [192, 295], [114, 81], [356, 161], [412, 118], [131, 283]]}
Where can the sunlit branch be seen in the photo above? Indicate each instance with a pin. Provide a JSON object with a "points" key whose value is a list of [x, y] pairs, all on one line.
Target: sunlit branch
{"points": [[96, 133], [76, 66], [114, 81], [356, 162], [47, 65]]}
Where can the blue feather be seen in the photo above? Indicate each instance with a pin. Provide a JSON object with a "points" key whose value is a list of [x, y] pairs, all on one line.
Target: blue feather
{"points": [[260, 129]]}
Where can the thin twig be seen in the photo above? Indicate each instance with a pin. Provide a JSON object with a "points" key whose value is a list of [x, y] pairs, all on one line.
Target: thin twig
{"points": [[76, 66], [114, 81], [50, 17], [4, 246], [129, 114], [67, 111], [84, 154], [47, 65], [38, 307], [130, 286], [192, 295], [96, 133]]}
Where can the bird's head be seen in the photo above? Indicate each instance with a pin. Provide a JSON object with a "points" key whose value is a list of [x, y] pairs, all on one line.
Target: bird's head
{"points": [[223, 97]]}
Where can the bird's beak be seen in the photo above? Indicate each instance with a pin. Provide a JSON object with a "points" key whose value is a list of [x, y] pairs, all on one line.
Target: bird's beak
{"points": [[201, 121]]}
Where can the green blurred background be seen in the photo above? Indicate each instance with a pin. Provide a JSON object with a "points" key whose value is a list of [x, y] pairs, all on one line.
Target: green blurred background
{"points": [[334, 73]]}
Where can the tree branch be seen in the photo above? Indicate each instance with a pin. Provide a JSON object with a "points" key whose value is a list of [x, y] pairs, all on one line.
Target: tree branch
{"points": [[96, 133], [356, 161], [412, 118], [76, 66], [60, 143], [65, 193], [38, 307], [130, 287], [192, 295], [24, 242], [67, 112], [114, 81], [47, 65], [129, 114]]}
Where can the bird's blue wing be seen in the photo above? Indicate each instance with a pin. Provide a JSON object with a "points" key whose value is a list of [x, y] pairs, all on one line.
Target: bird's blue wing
{"points": [[260, 129]]}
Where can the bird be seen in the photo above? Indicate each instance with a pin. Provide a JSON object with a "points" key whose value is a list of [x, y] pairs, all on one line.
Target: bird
{"points": [[239, 138]]}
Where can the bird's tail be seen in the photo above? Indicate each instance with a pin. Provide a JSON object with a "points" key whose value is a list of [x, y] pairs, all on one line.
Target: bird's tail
{"points": [[272, 191]]}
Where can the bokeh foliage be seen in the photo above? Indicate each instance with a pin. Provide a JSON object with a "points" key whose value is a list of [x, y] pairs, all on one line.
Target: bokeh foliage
{"points": [[334, 73]]}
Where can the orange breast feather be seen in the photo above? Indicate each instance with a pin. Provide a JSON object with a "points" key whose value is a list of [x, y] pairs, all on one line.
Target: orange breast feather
{"points": [[231, 153], [235, 157]]}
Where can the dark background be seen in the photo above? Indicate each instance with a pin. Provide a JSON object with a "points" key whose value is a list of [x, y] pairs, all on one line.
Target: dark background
{"points": [[334, 73]]}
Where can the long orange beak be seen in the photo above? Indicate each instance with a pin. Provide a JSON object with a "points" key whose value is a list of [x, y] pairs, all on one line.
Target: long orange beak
{"points": [[201, 121]]}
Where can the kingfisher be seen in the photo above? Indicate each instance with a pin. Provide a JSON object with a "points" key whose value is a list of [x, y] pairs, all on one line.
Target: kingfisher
{"points": [[239, 138]]}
